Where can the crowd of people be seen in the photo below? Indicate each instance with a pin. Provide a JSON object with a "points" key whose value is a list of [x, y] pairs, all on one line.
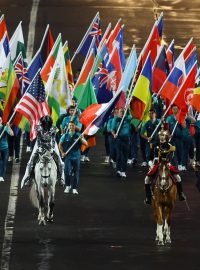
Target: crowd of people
{"points": [[124, 137]]}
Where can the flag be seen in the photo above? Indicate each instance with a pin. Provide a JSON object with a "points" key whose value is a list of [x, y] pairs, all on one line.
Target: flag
{"points": [[20, 120], [3, 27], [85, 71], [22, 73], [113, 36], [46, 70], [103, 81], [195, 100], [46, 44], [89, 96], [17, 44], [152, 45], [118, 42], [35, 64], [94, 117], [170, 55], [160, 25], [141, 96], [93, 31], [129, 70], [68, 65], [190, 60], [160, 71], [183, 94], [12, 93], [57, 90], [33, 105], [4, 51]]}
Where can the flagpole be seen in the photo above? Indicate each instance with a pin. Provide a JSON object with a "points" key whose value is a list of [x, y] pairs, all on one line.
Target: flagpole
{"points": [[84, 38], [171, 135], [178, 59], [169, 46], [44, 36]]}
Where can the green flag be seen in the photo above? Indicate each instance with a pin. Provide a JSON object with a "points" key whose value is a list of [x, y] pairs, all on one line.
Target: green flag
{"points": [[88, 97]]}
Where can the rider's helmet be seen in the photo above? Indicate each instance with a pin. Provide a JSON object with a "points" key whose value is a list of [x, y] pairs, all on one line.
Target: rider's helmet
{"points": [[163, 135], [46, 122]]}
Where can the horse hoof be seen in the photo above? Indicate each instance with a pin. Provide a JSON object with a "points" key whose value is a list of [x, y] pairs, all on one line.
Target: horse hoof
{"points": [[160, 243], [50, 220], [168, 241]]}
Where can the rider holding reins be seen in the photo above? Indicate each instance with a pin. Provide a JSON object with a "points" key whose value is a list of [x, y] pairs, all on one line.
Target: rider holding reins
{"points": [[46, 141], [164, 152]]}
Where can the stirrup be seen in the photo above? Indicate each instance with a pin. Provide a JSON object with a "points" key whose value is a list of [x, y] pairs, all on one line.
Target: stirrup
{"points": [[147, 201]]}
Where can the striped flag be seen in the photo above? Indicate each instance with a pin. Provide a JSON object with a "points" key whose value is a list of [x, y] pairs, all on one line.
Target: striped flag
{"points": [[33, 105]]}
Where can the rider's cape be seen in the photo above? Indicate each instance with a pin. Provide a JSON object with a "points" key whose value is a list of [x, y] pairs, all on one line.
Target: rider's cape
{"points": [[153, 171]]}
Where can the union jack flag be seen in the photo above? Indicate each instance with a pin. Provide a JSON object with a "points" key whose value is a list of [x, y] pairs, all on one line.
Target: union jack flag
{"points": [[96, 31], [22, 74]]}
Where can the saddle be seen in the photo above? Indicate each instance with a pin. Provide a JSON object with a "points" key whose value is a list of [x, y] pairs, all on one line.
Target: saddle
{"points": [[154, 171]]}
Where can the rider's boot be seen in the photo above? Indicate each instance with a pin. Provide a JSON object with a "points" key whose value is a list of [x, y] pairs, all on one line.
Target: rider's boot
{"points": [[60, 169], [27, 177], [148, 194], [181, 195]]}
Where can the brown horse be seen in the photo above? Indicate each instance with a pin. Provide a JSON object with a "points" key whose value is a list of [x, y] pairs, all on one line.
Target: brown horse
{"points": [[164, 197]]}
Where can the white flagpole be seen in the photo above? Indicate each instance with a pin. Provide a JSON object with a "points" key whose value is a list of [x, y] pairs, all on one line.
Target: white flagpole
{"points": [[169, 46], [44, 36], [84, 38]]}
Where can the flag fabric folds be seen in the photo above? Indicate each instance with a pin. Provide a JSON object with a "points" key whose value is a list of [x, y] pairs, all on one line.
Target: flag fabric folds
{"points": [[12, 93], [141, 96], [33, 105], [160, 71], [94, 117]]}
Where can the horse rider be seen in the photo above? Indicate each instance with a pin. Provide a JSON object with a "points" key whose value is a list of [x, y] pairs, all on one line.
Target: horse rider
{"points": [[164, 152], [46, 141]]}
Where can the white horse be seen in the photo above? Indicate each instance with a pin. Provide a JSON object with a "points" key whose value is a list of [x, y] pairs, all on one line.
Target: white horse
{"points": [[42, 193]]}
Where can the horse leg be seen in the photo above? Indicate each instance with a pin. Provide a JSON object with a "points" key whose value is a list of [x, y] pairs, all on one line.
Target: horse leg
{"points": [[159, 231], [167, 225], [51, 204], [42, 209]]}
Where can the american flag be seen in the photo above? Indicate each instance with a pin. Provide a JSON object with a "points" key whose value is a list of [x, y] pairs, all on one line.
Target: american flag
{"points": [[22, 74], [33, 104]]}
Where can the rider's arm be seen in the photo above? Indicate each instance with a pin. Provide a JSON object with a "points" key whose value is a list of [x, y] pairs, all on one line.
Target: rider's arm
{"points": [[60, 146]]}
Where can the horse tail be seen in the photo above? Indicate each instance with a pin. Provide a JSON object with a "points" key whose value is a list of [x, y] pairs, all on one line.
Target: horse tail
{"points": [[33, 197]]}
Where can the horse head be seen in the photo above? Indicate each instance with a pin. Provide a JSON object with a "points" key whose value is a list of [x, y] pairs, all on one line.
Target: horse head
{"points": [[45, 164], [164, 180]]}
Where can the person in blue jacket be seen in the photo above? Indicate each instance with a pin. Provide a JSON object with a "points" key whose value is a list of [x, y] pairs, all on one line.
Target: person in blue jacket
{"points": [[122, 141], [71, 158]]}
